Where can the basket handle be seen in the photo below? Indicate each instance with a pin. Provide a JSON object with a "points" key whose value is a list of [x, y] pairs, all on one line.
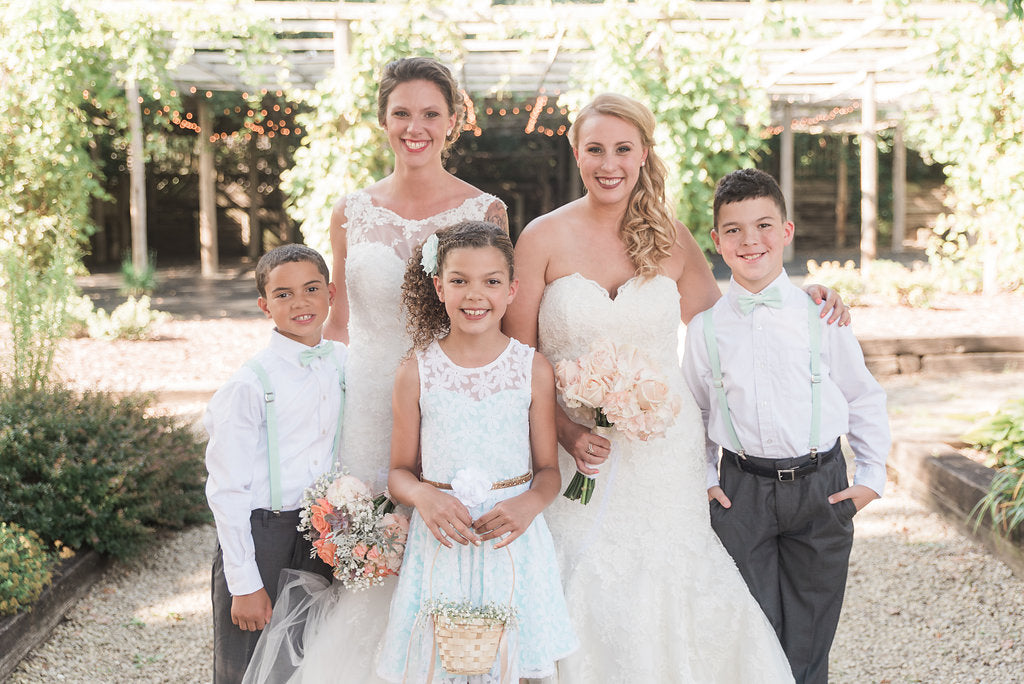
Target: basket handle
{"points": [[437, 550]]}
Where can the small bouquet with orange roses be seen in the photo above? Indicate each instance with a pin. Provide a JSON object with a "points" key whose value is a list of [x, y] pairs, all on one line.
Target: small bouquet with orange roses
{"points": [[618, 388], [356, 533]]}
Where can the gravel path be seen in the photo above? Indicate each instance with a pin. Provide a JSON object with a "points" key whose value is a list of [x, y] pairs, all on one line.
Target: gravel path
{"points": [[924, 603]]}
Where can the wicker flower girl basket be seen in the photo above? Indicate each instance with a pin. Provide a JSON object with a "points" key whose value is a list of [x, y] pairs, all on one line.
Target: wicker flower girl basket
{"points": [[469, 645]]}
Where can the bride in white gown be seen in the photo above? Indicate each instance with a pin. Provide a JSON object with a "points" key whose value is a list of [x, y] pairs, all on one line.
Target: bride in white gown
{"points": [[653, 595], [373, 233]]}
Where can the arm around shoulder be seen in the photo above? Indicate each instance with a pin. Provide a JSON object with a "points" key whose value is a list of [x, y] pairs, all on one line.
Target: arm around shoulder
{"points": [[697, 287], [336, 327], [531, 261]]}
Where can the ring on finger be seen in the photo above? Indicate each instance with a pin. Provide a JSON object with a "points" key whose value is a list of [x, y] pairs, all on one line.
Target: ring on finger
{"points": [[590, 449]]}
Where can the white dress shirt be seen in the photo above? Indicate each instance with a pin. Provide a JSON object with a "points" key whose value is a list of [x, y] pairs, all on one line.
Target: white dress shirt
{"points": [[307, 401], [766, 374]]}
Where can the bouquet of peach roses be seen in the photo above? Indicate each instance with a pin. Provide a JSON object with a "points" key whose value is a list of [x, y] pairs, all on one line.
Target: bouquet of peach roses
{"points": [[618, 387], [356, 533]]}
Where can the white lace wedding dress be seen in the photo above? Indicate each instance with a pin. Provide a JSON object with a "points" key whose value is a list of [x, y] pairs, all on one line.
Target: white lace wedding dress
{"points": [[653, 595], [342, 629]]}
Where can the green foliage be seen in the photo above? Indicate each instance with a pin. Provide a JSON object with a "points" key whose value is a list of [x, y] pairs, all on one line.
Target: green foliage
{"points": [[96, 471], [35, 295], [131, 320], [701, 88], [138, 281], [974, 128], [843, 278], [345, 148], [889, 280], [26, 567], [1001, 436]]}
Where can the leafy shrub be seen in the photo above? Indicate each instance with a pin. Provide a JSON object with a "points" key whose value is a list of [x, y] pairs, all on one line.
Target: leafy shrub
{"points": [[1001, 436], [131, 320], [896, 282], [138, 281], [844, 279], [888, 279], [96, 471], [26, 567]]}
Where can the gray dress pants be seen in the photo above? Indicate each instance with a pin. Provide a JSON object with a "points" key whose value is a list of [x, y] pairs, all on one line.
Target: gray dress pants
{"points": [[793, 549], [279, 545]]}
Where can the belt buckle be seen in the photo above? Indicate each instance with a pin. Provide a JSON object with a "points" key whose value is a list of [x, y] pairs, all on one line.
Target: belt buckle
{"points": [[786, 474]]}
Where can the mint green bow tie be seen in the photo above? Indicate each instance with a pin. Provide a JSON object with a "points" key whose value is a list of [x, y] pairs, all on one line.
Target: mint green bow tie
{"points": [[770, 297], [306, 356]]}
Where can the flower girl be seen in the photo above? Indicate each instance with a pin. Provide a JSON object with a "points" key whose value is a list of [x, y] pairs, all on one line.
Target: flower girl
{"points": [[473, 451]]}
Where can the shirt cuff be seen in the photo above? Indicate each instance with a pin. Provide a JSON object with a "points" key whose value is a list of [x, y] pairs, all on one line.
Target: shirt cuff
{"points": [[872, 477], [243, 579]]}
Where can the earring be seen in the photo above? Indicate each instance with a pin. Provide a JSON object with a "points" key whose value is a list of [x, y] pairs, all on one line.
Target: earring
{"points": [[449, 133]]}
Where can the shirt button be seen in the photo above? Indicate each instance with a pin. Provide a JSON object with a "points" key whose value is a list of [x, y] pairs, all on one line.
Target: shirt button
{"points": [[770, 441]]}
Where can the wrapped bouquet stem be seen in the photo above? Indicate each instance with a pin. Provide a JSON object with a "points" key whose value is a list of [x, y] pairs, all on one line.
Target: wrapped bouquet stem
{"points": [[581, 487], [626, 393]]}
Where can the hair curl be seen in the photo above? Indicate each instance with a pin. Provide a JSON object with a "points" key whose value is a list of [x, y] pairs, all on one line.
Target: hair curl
{"points": [[423, 69], [425, 315], [648, 227]]}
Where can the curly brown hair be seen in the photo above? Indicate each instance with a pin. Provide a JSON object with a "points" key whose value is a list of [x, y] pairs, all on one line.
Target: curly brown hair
{"points": [[648, 228], [425, 315]]}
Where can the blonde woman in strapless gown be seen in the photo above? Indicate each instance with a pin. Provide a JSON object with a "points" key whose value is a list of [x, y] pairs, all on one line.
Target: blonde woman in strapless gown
{"points": [[653, 595]]}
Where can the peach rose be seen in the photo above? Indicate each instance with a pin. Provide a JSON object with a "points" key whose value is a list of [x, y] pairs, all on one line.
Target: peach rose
{"points": [[318, 510], [650, 393], [359, 550], [325, 550]]}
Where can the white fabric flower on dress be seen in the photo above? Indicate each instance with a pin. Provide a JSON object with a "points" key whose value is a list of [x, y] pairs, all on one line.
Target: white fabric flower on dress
{"points": [[471, 486], [429, 259]]}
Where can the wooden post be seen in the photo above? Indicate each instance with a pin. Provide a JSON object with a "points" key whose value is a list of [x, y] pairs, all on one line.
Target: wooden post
{"points": [[899, 189], [207, 194], [255, 243], [842, 190], [101, 253], [786, 166], [342, 40], [137, 175], [868, 177]]}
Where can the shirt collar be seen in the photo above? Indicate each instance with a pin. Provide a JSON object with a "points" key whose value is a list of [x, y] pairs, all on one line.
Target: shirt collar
{"points": [[736, 290], [287, 348]]}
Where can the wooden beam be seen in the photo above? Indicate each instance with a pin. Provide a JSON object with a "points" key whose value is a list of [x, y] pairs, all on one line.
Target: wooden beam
{"points": [[786, 171], [137, 179], [899, 189], [207, 194], [868, 177], [842, 190]]}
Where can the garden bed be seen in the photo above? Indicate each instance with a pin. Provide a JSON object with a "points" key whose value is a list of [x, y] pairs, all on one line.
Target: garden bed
{"points": [[948, 481], [22, 632]]}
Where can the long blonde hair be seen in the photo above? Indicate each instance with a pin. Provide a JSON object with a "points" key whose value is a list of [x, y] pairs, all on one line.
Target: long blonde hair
{"points": [[648, 227]]}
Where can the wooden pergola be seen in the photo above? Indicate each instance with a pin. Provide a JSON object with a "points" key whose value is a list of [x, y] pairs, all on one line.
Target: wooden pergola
{"points": [[852, 68]]}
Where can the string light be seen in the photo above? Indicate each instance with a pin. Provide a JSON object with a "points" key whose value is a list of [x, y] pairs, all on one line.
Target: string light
{"points": [[806, 122], [531, 125]]}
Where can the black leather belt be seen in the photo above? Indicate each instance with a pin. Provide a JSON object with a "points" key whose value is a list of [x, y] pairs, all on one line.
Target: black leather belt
{"points": [[792, 471]]}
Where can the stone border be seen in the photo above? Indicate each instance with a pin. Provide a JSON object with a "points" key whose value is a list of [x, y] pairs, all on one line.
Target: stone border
{"points": [[885, 356], [21, 633], [948, 482]]}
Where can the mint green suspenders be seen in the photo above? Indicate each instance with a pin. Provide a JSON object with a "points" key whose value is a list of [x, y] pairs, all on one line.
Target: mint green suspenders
{"points": [[711, 342], [273, 455]]}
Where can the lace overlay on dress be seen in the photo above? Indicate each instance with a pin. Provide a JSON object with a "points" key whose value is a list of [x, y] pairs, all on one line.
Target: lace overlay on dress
{"points": [[379, 244], [653, 594]]}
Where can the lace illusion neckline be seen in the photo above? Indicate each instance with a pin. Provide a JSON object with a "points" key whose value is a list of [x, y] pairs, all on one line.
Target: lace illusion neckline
{"points": [[474, 369], [608, 295], [434, 217]]}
